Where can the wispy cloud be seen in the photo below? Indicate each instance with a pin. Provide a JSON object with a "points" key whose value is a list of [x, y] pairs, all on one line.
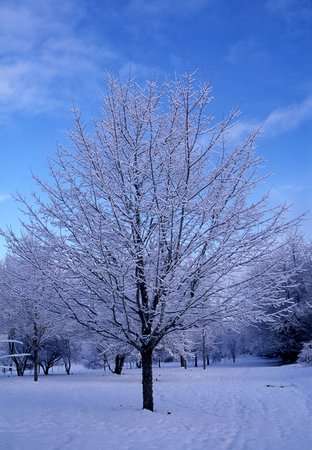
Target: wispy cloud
{"points": [[287, 190], [4, 197], [49, 52], [288, 118], [43, 56], [279, 121]]}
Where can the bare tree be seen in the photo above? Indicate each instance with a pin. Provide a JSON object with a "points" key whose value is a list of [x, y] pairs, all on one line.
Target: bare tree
{"points": [[151, 223]]}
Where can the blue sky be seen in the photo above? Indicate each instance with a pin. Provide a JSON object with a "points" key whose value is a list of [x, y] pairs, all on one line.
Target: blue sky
{"points": [[258, 53]]}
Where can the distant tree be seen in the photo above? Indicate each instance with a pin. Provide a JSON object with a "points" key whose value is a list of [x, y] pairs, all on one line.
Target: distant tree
{"points": [[26, 295], [285, 334], [115, 353], [69, 352], [232, 346], [151, 223], [18, 356], [92, 356], [49, 355], [19, 352]]}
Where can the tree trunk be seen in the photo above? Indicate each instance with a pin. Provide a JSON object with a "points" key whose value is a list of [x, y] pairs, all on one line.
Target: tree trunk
{"points": [[119, 362], [46, 369], [147, 379], [19, 368], [36, 346], [36, 360], [204, 351], [195, 360], [68, 367]]}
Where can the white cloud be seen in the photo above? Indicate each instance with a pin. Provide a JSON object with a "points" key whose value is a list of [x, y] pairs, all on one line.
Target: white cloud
{"points": [[4, 197], [241, 129], [288, 118], [43, 56], [279, 121], [287, 190]]}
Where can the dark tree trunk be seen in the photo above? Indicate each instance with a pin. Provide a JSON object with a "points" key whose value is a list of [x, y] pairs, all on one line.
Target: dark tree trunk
{"points": [[20, 367], [20, 363], [45, 368], [36, 364], [119, 362], [147, 379], [204, 351], [195, 361], [19, 371], [36, 346]]}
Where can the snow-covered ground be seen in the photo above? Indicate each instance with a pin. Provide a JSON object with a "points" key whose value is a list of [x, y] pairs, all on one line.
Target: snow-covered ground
{"points": [[251, 405]]}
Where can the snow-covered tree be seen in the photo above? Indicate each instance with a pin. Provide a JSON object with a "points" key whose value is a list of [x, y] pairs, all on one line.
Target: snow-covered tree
{"points": [[285, 332], [305, 356], [151, 223], [69, 351], [25, 297], [114, 354], [232, 345], [49, 355], [19, 357], [18, 352]]}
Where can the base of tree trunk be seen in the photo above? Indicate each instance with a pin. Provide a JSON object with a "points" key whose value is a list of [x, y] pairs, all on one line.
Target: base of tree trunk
{"points": [[147, 379], [36, 363]]}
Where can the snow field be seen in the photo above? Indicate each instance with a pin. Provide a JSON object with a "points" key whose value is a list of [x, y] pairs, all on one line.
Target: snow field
{"points": [[248, 406]]}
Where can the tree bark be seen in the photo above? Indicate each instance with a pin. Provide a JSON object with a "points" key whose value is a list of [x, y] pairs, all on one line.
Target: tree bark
{"points": [[204, 351], [119, 362], [147, 379], [36, 361]]}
